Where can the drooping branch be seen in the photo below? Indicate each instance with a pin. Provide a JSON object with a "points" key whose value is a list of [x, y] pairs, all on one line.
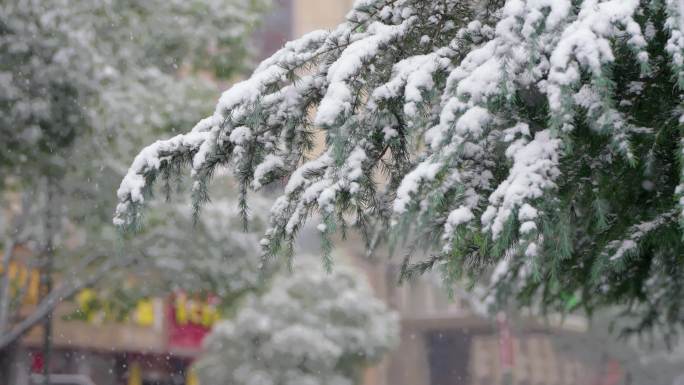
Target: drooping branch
{"points": [[502, 131]]}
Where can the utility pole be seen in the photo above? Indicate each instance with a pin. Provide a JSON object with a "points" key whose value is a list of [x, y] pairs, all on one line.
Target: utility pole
{"points": [[50, 217]]}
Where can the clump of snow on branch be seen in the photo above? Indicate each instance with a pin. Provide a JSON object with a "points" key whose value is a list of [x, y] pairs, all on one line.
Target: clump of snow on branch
{"points": [[534, 169], [616, 250], [425, 172]]}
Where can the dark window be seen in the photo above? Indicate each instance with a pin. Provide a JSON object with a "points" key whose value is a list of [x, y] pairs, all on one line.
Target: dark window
{"points": [[448, 357]]}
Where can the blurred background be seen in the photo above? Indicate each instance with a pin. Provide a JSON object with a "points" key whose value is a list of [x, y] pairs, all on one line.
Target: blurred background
{"points": [[83, 86]]}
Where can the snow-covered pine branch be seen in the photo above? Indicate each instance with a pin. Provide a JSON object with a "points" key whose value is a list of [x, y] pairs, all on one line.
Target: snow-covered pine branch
{"points": [[540, 131]]}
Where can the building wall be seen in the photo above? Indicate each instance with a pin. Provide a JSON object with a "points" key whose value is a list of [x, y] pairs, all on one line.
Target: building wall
{"points": [[309, 15]]}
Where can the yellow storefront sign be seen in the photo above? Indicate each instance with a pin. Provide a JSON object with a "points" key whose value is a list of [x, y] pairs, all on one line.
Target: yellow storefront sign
{"points": [[144, 313], [24, 281], [192, 311]]}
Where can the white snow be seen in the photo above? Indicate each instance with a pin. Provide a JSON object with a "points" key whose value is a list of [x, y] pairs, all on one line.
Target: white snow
{"points": [[151, 158], [298, 179], [424, 172], [619, 248], [269, 164], [414, 75], [338, 98], [479, 74], [625, 247], [473, 121], [528, 227], [531, 250], [527, 212], [534, 170], [240, 135], [586, 43], [348, 177], [457, 217]]}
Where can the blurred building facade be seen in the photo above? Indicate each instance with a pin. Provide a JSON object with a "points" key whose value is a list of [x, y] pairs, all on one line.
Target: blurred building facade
{"points": [[154, 345]]}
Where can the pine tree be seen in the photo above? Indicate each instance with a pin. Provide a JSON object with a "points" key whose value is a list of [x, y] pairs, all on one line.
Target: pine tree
{"points": [[537, 145], [306, 328]]}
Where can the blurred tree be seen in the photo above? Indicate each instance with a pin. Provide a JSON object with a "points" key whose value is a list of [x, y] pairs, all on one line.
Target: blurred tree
{"points": [[308, 327], [534, 144], [81, 82], [216, 258]]}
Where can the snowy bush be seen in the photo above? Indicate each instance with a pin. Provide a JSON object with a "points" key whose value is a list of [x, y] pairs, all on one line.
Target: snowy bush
{"points": [[308, 327], [543, 137]]}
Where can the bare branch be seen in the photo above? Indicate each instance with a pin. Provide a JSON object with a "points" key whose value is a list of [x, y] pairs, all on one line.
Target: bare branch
{"points": [[64, 291]]}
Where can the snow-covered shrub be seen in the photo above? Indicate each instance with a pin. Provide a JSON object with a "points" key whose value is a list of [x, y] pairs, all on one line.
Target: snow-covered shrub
{"points": [[309, 327]]}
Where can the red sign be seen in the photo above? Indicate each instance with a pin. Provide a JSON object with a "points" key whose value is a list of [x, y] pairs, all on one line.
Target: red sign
{"points": [[612, 373], [37, 362], [190, 319]]}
